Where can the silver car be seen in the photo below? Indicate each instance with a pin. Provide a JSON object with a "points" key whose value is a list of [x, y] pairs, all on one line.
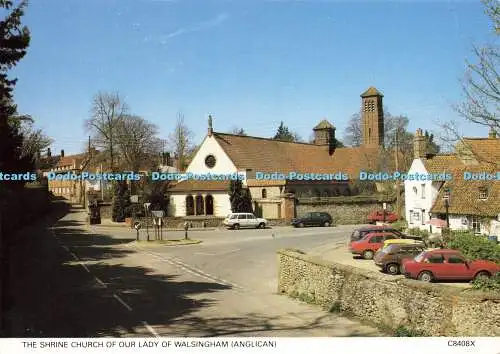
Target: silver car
{"points": [[244, 220]]}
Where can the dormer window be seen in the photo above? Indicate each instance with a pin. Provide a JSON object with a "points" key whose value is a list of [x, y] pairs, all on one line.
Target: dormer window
{"points": [[483, 193]]}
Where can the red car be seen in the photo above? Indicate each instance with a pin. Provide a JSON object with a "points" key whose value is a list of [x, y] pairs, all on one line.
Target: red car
{"points": [[445, 264], [378, 215], [370, 243]]}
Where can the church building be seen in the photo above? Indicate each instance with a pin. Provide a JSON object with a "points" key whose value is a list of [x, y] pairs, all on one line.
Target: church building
{"points": [[222, 153]]}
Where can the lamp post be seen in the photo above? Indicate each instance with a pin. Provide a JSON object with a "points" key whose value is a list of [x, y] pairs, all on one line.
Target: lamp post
{"points": [[146, 209], [447, 205]]}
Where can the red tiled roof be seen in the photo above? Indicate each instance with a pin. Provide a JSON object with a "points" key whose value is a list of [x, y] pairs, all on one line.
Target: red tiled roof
{"points": [[193, 186], [442, 163], [464, 194], [269, 155], [483, 150]]}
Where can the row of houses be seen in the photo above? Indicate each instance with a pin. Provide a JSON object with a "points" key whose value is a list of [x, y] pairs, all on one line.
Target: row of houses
{"points": [[468, 204], [470, 198]]}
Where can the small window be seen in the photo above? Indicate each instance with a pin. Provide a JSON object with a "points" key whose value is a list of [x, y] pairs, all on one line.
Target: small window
{"points": [[415, 190], [210, 161], [456, 260], [435, 258], [369, 132], [465, 221], [264, 193], [376, 239], [483, 193], [422, 194], [476, 225]]}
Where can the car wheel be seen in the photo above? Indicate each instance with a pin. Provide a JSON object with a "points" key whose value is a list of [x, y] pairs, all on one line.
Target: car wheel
{"points": [[392, 268], [261, 226], [368, 254], [426, 276], [236, 226], [300, 224], [326, 224], [482, 275]]}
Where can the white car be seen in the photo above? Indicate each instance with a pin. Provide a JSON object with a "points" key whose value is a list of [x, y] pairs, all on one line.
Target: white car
{"points": [[238, 220]]}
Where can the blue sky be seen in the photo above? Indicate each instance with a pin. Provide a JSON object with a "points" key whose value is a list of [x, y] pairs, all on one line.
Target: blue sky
{"points": [[249, 63]]}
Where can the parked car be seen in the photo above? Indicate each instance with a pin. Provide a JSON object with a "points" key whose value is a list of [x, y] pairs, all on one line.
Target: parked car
{"points": [[390, 257], [244, 220], [358, 234], [405, 241], [370, 244], [381, 215], [446, 264], [313, 219]]}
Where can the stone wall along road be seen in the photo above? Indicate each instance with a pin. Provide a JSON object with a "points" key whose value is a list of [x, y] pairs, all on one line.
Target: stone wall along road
{"points": [[421, 308]]}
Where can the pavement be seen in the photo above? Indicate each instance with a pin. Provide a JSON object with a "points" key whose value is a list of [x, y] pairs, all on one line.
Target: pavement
{"points": [[74, 280]]}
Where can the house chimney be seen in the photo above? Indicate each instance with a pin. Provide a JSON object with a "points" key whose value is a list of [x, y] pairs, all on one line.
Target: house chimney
{"points": [[49, 153], [492, 134], [62, 153], [210, 129], [324, 135], [419, 145]]}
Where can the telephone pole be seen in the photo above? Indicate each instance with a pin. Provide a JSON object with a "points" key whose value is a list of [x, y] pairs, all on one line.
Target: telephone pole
{"points": [[396, 160]]}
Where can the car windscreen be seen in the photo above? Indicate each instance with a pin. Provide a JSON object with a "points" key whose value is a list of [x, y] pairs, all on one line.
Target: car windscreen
{"points": [[387, 249], [419, 257]]}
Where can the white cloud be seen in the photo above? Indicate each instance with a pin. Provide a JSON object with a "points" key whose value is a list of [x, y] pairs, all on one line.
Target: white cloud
{"points": [[195, 28]]}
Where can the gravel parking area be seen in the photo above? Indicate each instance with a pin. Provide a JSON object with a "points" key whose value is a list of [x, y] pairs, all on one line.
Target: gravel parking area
{"points": [[338, 253]]}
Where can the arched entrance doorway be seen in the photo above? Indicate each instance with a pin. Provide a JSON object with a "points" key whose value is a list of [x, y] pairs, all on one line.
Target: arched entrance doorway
{"points": [[200, 207], [189, 205], [209, 205]]}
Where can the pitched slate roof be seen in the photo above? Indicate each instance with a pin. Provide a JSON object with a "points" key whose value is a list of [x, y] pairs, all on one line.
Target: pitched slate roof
{"points": [[269, 155], [372, 91], [324, 124], [71, 159], [464, 194]]}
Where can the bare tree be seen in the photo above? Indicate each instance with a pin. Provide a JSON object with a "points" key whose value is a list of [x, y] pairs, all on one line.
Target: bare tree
{"points": [[238, 131], [34, 140], [353, 136], [137, 141], [481, 85], [108, 109], [181, 141]]}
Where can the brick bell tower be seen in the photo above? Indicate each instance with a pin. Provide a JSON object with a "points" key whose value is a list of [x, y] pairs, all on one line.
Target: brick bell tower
{"points": [[372, 117]]}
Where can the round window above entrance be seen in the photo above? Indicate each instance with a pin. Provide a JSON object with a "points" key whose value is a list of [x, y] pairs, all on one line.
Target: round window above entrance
{"points": [[210, 161]]}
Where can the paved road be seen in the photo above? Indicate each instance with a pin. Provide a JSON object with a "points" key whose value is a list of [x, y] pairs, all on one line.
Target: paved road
{"points": [[78, 282], [245, 258]]}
